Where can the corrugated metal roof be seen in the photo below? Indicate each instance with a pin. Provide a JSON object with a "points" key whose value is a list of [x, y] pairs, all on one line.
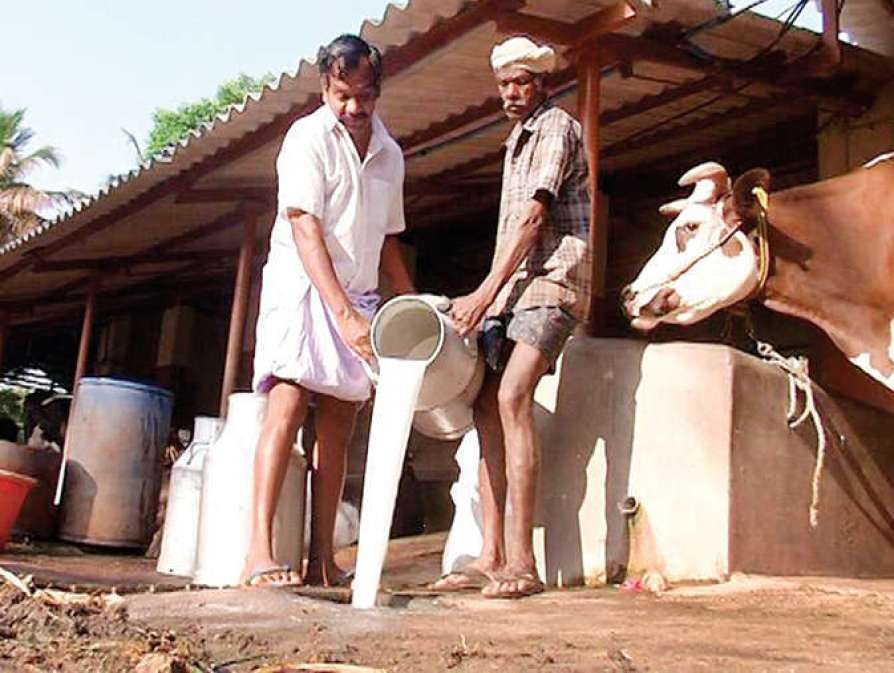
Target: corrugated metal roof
{"points": [[428, 104]]}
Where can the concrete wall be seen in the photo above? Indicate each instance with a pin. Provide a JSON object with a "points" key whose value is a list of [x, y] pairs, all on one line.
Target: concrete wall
{"points": [[698, 434]]}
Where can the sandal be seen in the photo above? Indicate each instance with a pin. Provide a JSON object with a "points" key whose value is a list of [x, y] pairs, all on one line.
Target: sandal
{"points": [[513, 586], [276, 576], [468, 579]]}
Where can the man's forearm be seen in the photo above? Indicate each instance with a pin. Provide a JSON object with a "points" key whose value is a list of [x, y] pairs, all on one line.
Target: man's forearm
{"points": [[520, 244], [395, 268], [308, 235]]}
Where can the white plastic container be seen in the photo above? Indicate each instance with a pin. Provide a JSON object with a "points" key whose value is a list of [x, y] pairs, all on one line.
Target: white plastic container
{"points": [[225, 518], [178, 542]]}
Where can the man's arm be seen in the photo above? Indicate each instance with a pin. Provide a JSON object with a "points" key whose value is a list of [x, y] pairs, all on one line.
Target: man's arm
{"points": [[352, 326], [395, 267], [467, 311]]}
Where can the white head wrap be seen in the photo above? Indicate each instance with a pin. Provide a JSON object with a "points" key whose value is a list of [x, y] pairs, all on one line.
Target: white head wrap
{"points": [[522, 52]]}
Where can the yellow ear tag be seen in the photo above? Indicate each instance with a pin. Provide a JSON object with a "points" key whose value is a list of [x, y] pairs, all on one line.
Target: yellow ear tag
{"points": [[762, 197]]}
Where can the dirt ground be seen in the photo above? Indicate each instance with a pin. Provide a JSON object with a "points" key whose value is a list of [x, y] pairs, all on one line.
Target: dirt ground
{"points": [[748, 624]]}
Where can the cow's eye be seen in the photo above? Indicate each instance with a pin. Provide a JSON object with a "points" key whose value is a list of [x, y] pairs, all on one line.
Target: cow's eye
{"points": [[691, 227]]}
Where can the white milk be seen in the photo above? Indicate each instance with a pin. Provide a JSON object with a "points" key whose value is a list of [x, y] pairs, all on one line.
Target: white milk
{"points": [[396, 395]]}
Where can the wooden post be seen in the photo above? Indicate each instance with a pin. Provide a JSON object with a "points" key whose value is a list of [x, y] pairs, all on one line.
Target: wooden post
{"points": [[589, 78], [80, 370], [831, 45], [86, 333], [241, 297]]}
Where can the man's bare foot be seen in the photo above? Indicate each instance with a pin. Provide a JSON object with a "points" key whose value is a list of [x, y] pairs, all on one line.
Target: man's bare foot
{"points": [[324, 573]]}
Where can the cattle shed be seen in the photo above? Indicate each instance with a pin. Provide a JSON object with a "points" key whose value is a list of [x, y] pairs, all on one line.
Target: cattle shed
{"points": [[158, 275]]}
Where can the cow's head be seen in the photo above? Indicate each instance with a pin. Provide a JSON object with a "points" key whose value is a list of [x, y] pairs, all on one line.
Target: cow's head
{"points": [[706, 260]]}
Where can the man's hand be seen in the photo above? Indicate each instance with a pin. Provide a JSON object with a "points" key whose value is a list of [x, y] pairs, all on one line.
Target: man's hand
{"points": [[466, 312], [354, 331]]}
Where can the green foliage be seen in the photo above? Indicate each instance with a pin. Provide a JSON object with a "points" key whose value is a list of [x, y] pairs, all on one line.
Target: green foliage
{"points": [[172, 126], [22, 206]]}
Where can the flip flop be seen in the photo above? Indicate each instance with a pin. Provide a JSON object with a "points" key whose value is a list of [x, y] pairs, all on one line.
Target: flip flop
{"points": [[268, 577], [468, 579], [525, 584]]}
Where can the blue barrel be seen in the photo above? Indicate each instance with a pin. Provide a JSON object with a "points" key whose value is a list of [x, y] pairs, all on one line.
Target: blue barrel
{"points": [[117, 433]]}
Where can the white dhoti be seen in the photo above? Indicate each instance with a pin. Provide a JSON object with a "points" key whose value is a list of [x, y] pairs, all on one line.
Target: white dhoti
{"points": [[297, 340]]}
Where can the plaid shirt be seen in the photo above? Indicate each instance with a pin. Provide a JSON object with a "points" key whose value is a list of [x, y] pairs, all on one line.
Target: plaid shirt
{"points": [[545, 152]]}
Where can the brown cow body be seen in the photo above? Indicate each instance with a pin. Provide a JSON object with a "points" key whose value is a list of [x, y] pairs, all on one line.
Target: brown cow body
{"points": [[832, 260]]}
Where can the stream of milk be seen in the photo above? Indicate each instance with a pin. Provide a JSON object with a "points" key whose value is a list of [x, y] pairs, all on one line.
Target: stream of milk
{"points": [[398, 389]]}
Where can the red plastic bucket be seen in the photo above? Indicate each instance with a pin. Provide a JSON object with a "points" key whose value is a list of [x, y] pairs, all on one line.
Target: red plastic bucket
{"points": [[13, 489]]}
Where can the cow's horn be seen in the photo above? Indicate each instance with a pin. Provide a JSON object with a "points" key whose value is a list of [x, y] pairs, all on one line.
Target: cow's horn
{"points": [[711, 182], [673, 208]]}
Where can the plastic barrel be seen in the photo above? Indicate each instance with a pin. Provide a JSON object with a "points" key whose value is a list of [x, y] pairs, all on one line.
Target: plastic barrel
{"points": [[116, 435]]}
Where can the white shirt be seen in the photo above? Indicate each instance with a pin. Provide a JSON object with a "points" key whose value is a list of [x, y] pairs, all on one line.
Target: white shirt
{"points": [[357, 202]]}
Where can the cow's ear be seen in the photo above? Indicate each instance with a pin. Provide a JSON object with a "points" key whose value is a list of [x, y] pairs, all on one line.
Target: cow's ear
{"points": [[673, 208], [744, 200]]}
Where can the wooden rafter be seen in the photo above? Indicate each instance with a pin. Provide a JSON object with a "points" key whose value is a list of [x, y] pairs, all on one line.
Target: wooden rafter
{"points": [[260, 195], [124, 262], [771, 69], [215, 226], [567, 34], [661, 136]]}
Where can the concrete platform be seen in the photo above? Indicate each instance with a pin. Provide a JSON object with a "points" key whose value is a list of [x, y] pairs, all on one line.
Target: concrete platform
{"points": [[697, 433], [412, 562]]}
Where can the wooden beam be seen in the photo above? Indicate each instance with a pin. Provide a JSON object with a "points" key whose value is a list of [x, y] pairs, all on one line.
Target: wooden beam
{"points": [[604, 21], [771, 70], [124, 263], [209, 228], [696, 126], [241, 298], [261, 195], [563, 33], [548, 30], [435, 182], [589, 82], [484, 114]]}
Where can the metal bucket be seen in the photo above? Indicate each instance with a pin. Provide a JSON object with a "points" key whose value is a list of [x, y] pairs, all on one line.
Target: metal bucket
{"points": [[412, 327], [181, 528], [116, 435]]}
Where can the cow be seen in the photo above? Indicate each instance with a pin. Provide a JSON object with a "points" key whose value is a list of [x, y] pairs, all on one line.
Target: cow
{"points": [[829, 258]]}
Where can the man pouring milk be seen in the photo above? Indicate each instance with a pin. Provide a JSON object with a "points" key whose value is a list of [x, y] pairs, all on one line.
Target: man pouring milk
{"points": [[536, 293]]}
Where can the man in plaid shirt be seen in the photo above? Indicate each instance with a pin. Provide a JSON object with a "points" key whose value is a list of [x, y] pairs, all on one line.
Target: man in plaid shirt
{"points": [[537, 291]]}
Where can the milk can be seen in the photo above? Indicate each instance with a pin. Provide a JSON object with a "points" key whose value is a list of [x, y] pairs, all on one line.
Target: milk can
{"points": [[412, 327], [225, 516], [181, 530]]}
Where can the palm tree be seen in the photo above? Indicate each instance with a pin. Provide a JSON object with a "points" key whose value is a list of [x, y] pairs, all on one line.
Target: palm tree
{"points": [[23, 206]]}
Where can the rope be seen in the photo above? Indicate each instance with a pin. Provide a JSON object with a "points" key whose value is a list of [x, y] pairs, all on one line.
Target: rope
{"points": [[799, 380], [763, 239]]}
